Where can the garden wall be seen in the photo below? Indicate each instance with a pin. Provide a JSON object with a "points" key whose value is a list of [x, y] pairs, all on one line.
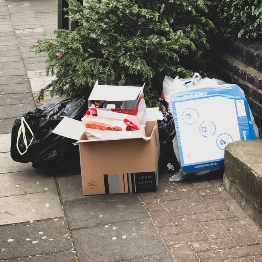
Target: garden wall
{"points": [[241, 63]]}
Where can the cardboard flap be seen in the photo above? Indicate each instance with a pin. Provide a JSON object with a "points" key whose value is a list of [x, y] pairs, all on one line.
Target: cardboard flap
{"points": [[103, 135], [115, 93], [70, 128], [154, 114]]}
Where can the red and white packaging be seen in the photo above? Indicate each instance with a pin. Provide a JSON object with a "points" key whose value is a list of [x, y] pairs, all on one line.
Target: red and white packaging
{"points": [[120, 103], [101, 123]]}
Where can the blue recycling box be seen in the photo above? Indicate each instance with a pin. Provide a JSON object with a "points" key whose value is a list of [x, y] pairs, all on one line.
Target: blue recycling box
{"points": [[206, 120]]}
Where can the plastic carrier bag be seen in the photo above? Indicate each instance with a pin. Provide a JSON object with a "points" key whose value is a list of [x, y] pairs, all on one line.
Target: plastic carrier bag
{"points": [[194, 89], [33, 140]]}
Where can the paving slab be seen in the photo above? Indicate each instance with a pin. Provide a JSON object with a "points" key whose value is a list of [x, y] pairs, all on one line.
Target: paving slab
{"points": [[6, 80], [5, 142], [15, 88], [7, 53], [13, 72], [6, 48], [118, 241], [35, 66], [12, 65], [34, 238], [7, 164], [16, 110], [103, 209], [68, 256], [15, 99], [6, 126], [35, 60], [25, 182], [70, 187], [30, 32], [40, 82], [9, 58], [22, 208], [4, 34], [7, 28], [155, 258], [7, 40]]}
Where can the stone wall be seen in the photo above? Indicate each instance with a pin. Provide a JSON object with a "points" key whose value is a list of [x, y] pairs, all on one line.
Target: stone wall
{"points": [[241, 63]]}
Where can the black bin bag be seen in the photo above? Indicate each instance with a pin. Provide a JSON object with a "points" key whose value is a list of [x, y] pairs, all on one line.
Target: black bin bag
{"points": [[167, 133], [33, 140]]}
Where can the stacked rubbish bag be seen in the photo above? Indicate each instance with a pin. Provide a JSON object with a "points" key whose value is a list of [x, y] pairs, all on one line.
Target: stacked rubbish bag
{"points": [[208, 114]]}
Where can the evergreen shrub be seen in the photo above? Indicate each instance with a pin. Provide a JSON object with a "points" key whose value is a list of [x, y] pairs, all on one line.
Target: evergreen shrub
{"points": [[127, 42]]}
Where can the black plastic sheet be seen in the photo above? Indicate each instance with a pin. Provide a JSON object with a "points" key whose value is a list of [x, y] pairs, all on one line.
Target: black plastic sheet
{"points": [[167, 133]]}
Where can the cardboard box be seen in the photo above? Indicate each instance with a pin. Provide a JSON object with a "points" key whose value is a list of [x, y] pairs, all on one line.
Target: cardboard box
{"points": [[120, 102], [206, 120], [116, 166]]}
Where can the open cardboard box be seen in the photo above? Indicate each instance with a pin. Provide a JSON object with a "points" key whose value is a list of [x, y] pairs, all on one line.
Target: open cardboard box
{"points": [[116, 166], [120, 102]]}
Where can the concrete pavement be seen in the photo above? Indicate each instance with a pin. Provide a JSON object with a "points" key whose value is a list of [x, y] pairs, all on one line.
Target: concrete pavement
{"points": [[45, 217]]}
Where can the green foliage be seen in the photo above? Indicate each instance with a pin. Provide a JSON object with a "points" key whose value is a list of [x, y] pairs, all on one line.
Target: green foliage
{"points": [[238, 19], [127, 42]]}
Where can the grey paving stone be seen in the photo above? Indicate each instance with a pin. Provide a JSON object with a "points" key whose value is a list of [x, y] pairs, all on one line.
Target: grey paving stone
{"points": [[103, 209], [27, 23], [35, 60], [7, 164], [18, 98], [28, 32], [30, 54], [19, 14], [16, 110], [15, 88], [40, 82], [68, 256], [8, 39], [70, 187], [13, 72], [8, 53], [7, 80], [36, 238], [6, 125], [118, 241], [6, 48], [9, 33], [27, 42], [5, 142], [11, 65], [9, 59], [155, 258], [27, 182], [6, 28], [37, 66], [22, 208]]}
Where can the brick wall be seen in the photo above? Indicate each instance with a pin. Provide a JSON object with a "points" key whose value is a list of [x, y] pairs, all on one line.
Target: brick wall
{"points": [[241, 63]]}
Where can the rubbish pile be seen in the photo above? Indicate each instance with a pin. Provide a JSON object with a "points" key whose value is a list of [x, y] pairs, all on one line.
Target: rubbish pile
{"points": [[120, 140], [117, 137]]}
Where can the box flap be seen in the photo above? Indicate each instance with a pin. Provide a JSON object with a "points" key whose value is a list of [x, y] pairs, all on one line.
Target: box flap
{"points": [[154, 114], [115, 93], [70, 128], [103, 135]]}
